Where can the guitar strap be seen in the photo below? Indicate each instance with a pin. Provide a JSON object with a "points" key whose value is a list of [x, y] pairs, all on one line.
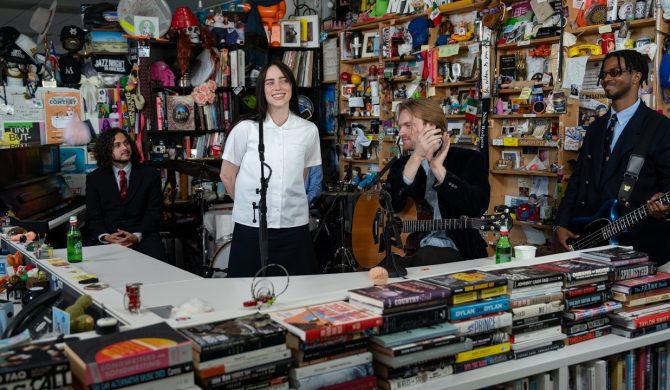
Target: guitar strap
{"points": [[636, 160]]}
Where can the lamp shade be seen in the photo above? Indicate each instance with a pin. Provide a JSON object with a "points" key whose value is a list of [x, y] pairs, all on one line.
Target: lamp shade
{"points": [[183, 17]]}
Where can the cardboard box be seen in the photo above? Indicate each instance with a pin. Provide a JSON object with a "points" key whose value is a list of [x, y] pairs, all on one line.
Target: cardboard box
{"points": [[76, 159], [76, 182]]}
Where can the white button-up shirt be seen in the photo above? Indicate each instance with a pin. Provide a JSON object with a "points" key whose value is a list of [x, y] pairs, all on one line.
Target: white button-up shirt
{"points": [[289, 149]]}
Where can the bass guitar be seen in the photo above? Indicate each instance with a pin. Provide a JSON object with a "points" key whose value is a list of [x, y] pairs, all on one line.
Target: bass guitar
{"points": [[605, 226], [366, 227]]}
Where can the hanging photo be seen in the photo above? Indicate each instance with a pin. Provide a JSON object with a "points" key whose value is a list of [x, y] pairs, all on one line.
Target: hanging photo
{"points": [[146, 26], [290, 33]]}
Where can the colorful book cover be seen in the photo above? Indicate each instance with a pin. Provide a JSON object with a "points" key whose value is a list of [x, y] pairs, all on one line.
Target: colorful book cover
{"points": [[467, 281], [180, 113], [520, 277], [483, 307], [35, 366], [591, 312], [127, 353], [60, 107], [326, 320], [577, 269], [642, 284], [632, 271], [21, 133], [403, 293], [234, 336]]}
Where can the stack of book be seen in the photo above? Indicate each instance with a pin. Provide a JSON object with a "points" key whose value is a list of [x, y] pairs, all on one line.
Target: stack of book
{"points": [[156, 357], [586, 298], [416, 356], [537, 306], [329, 328], [641, 368], [33, 366], [240, 352], [645, 310], [478, 307]]}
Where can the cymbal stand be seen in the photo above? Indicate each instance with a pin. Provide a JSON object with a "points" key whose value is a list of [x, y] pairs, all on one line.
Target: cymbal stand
{"points": [[346, 261]]}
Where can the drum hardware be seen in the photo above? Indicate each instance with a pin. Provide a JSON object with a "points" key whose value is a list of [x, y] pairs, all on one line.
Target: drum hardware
{"points": [[343, 260]]}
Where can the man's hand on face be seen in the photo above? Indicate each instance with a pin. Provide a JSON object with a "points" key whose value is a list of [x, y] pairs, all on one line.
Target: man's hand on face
{"points": [[428, 142]]}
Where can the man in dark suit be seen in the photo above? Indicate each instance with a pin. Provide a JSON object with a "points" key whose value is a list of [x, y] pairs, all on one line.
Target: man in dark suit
{"points": [[604, 157], [123, 197], [453, 181]]}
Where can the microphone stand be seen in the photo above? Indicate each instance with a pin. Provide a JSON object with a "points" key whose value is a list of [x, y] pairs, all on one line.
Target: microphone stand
{"points": [[394, 269], [262, 206]]}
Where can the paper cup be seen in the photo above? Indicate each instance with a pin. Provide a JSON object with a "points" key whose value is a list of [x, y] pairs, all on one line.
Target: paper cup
{"points": [[524, 252]]}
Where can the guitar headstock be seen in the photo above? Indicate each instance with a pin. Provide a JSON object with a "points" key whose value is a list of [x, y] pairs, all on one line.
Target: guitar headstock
{"points": [[493, 222]]}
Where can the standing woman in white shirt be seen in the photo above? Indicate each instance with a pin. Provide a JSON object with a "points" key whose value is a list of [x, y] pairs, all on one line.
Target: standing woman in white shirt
{"points": [[291, 147]]}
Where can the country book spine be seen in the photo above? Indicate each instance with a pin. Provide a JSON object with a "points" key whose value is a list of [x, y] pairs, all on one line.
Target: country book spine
{"points": [[424, 377], [575, 292], [586, 300], [481, 325], [591, 312], [365, 383], [540, 318], [385, 372], [248, 375], [210, 351], [410, 320], [41, 377], [588, 335], [573, 327], [532, 327], [234, 360], [489, 338], [535, 299], [483, 362], [242, 364], [482, 352], [403, 300], [333, 365], [118, 368], [328, 331], [630, 333], [469, 310], [534, 335], [150, 376], [535, 281], [657, 285], [536, 310], [315, 382], [418, 346], [556, 345], [472, 296], [634, 271]]}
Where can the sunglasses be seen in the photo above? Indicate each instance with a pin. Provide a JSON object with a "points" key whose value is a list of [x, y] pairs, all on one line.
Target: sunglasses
{"points": [[616, 72]]}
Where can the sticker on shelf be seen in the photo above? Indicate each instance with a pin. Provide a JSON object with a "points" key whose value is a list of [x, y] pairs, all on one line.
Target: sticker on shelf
{"points": [[448, 50], [474, 48], [510, 141], [523, 43], [605, 29]]}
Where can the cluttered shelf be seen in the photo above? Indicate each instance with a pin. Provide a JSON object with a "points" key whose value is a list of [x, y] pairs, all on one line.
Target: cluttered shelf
{"points": [[529, 43], [647, 22]]}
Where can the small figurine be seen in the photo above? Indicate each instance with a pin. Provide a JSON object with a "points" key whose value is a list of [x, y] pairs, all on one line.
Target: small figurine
{"points": [[72, 38], [379, 276], [160, 71]]}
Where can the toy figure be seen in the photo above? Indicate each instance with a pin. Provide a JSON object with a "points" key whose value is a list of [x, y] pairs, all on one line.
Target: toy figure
{"points": [[72, 38], [186, 25], [160, 71]]}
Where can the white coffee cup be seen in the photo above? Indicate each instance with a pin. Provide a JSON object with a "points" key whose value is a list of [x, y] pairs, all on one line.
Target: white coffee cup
{"points": [[524, 252]]}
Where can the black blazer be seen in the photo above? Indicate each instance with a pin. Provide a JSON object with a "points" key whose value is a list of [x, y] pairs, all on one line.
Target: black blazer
{"points": [[464, 191], [588, 189], [140, 212]]}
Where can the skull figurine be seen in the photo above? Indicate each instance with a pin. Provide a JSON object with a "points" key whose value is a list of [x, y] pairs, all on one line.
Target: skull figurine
{"points": [[193, 33]]}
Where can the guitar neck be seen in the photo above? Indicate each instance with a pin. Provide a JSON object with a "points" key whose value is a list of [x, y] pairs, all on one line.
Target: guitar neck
{"points": [[428, 225], [620, 225]]}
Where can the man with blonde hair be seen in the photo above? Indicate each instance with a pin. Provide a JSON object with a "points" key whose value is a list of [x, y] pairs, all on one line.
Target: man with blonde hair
{"points": [[452, 180]]}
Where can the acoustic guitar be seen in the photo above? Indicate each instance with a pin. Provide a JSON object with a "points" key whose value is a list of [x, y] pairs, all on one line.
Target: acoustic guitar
{"points": [[604, 226], [366, 227]]}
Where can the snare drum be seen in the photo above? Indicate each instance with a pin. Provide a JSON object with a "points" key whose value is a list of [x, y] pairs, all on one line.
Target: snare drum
{"points": [[219, 224], [221, 257]]}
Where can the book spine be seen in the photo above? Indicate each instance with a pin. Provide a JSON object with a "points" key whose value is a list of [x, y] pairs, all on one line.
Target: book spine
{"points": [[532, 327], [365, 383], [249, 375], [535, 335], [650, 320], [482, 352], [483, 362], [587, 274], [592, 334], [579, 291], [649, 299], [663, 367], [331, 350], [481, 325], [540, 318], [329, 331], [159, 113], [573, 327], [630, 333], [210, 351], [536, 299], [386, 372], [401, 383], [586, 313], [136, 364], [489, 338], [411, 320], [240, 358], [634, 271], [556, 345], [53, 377], [536, 281], [639, 368], [150, 376], [427, 296], [630, 369], [243, 364], [534, 290], [327, 358], [586, 300], [477, 286], [333, 365], [641, 288], [472, 296], [423, 346], [315, 382], [536, 310], [477, 309]]}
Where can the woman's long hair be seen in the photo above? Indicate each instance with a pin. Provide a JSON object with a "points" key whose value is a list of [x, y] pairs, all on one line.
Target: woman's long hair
{"points": [[261, 111], [104, 145]]}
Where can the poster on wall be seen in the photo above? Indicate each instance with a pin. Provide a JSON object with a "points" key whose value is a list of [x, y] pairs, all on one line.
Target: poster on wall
{"points": [[60, 107], [21, 133]]}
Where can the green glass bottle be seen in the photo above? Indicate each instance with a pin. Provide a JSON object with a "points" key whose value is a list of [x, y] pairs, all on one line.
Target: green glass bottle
{"points": [[74, 242], [503, 247]]}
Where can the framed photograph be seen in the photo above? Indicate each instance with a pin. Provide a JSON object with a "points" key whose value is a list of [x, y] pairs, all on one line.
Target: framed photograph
{"points": [[370, 44], [309, 30], [146, 26], [290, 33], [513, 156]]}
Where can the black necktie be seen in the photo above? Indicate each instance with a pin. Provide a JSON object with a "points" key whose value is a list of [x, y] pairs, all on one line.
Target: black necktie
{"points": [[608, 139]]}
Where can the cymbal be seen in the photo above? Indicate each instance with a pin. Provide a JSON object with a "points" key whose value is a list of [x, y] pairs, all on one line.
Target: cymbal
{"points": [[201, 171]]}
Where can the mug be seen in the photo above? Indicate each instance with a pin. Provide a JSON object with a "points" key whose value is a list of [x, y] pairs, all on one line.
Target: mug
{"points": [[640, 9]]}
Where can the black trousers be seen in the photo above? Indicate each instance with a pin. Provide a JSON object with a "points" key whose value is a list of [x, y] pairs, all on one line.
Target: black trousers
{"points": [[290, 247], [431, 255]]}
